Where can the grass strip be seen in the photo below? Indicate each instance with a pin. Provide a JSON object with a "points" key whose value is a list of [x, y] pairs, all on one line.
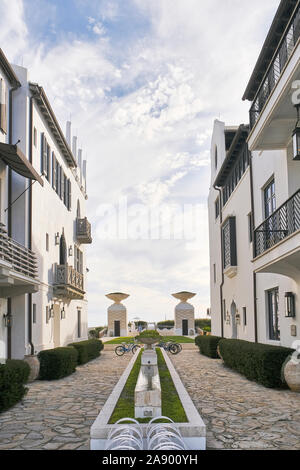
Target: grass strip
{"points": [[130, 339], [171, 404]]}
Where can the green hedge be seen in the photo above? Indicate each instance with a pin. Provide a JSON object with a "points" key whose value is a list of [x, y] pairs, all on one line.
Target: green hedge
{"points": [[13, 375], [208, 345], [87, 350], [57, 363], [261, 363]]}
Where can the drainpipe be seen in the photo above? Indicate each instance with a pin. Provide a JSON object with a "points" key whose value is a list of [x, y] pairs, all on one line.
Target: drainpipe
{"points": [[29, 297], [253, 247], [222, 272]]}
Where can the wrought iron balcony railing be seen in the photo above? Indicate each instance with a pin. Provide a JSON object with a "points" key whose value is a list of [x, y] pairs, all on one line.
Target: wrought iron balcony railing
{"points": [[84, 231], [19, 258], [282, 223], [282, 54]]}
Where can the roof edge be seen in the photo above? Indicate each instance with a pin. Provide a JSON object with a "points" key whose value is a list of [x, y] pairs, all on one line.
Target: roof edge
{"points": [[282, 12], [39, 94], [8, 70], [241, 128]]}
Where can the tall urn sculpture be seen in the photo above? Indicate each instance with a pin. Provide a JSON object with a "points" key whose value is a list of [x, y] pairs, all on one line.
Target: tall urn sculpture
{"points": [[117, 315], [184, 314]]}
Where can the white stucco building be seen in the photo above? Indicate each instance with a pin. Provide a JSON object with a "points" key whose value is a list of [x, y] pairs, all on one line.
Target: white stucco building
{"points": [[46, 219], [254, 201]]}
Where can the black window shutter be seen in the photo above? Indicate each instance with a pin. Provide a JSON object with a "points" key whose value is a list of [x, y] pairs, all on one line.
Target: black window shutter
{"points": [[42, 152], [53, 171], [69, 195]]}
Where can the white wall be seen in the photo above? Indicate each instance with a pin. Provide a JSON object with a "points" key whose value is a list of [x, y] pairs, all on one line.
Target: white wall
{"points": [[51, 216], [286, 173]]}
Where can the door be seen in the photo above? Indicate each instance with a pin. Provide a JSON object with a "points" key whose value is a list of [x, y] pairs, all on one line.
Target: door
{"points": [[233, 320], [117, 328], [185, 331]]}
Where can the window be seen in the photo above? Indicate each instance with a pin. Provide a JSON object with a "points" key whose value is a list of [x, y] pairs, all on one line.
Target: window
{"points": [[3, 106], [34, 137], [224, 309], [229, 243], [269, 199], [244, 316], [47, 314], [270, 207], [45, 157], [47, 242], [273, 314], [217, 207], [33, 313], [79, 323], [250, 227], [78, 260], [236, 173], [215, 274]]}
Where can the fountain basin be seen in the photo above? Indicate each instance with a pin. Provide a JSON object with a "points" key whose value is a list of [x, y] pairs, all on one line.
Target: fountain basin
{"points": [[193, 431]]}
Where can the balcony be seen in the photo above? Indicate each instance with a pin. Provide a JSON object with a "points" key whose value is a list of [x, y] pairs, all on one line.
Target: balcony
{"points": [[284, 51], [83, 231], [272, 114], [68, 283], [277, 240], [18, 267]]}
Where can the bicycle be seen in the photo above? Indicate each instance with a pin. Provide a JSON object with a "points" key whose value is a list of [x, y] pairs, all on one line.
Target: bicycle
{"points": [[170, 346], [125, 348]]}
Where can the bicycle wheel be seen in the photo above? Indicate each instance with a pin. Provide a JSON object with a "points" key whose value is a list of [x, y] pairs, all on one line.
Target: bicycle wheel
{"points": [[119, 350], [173, 348], [179, 347], [135, 348]]}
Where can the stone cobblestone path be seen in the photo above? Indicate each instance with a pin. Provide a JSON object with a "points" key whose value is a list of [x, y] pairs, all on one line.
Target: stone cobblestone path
{"points": [[58, 414], [239, 414]]}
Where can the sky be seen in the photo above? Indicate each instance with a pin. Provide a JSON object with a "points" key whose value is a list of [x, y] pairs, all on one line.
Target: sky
{"points": [[142, 82]]}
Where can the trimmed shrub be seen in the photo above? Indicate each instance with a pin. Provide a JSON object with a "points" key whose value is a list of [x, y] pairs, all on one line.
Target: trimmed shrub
{"points": [[57, 363], [87, 350], [208, 345], [261, 363], [203, 323], [94, 333], [13, 375]]}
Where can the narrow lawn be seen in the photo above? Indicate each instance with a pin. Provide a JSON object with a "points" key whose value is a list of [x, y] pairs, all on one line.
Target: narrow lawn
{"points": [[171, 404]]}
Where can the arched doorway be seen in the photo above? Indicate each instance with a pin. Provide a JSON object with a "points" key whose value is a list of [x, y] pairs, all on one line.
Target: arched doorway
{"points": [[233, 320]]}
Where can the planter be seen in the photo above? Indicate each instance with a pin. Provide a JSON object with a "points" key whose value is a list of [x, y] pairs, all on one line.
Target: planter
{"points": [[292, 374], [34, 365], [148, 342], [219, 354]]}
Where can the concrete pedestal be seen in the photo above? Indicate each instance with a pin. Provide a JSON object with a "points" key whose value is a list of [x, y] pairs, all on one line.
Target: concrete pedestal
{"points": [[117, 316], [147, 394]]}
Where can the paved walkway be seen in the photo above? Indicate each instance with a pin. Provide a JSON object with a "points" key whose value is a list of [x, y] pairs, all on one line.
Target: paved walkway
{"points": [[239, 414], [58, 414]]}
